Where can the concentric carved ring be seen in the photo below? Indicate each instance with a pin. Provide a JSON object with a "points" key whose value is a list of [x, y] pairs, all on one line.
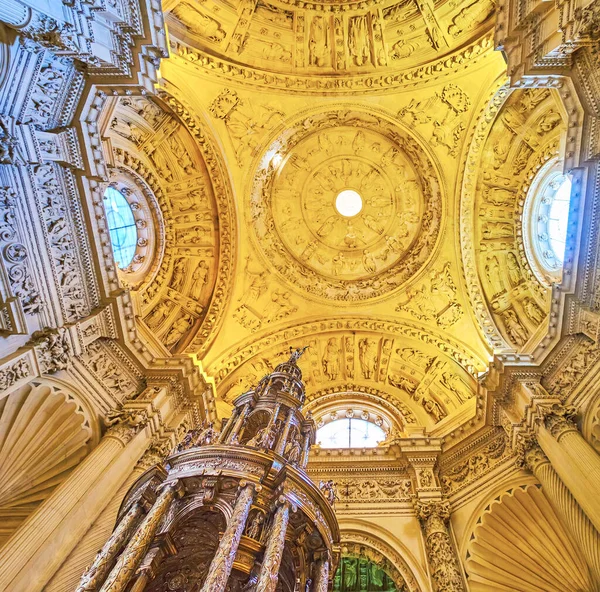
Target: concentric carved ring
{"points": [[310, 242]]}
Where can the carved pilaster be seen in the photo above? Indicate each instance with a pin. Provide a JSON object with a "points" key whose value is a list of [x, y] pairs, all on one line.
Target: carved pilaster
{"points": [[434, 517], [94, 576], [222, 562], [269, 571], [131, 557]]}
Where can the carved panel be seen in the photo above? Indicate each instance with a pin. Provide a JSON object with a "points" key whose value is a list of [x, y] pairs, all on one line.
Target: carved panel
{"points": [[302, 234]]}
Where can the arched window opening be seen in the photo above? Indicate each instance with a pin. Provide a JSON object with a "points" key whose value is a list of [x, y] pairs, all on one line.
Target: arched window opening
{"points": [[121, 227], [350, 432], [359, 574], [546, 217]]}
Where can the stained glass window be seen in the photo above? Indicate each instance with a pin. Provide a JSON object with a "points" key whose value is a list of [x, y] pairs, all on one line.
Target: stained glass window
{"points": [[558, 215], [350, 432], [121, 226], [359, 574]]}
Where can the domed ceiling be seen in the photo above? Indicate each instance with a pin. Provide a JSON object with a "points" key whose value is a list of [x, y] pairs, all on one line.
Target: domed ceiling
{"points": [[327, 38], [346, 152]]}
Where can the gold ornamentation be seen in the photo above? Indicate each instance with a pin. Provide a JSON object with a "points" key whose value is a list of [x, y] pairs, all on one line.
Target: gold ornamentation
{"points": [[327, 253]]}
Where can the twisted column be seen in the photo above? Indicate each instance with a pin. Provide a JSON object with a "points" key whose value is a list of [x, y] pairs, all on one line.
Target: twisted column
{"points": [[269, 571], [226, 430], [583, 531], [445, 571], [322, 577], [220, 567], [131, 557], [574, 460], [96, 573]]}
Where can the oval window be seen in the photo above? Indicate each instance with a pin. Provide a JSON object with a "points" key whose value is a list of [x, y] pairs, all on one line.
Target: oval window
{"points": [[546, 217], [121, 226], [350, 432]]}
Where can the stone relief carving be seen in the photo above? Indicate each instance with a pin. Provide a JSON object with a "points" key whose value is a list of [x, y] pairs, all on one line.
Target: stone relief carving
{"points": [[522, 134], [478, 464], [15, 256], [52, 349], [435, 300], [54, 208], [246, 124], [374, 490], [12, 373], [329, 255], [447, 125]]}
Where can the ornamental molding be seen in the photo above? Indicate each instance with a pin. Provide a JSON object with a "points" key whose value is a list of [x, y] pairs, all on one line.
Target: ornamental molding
{"points": [[329, 256], [402, 573], [371, 84]]}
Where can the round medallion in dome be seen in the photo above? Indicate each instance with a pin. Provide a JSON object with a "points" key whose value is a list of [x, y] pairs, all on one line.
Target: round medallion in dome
{"points": [[347, 207]]}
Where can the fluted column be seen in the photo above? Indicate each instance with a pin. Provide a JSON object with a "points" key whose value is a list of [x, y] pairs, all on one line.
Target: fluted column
{"points": [[322, 576], [284, 433], [220, 567], [235, 430], [583, 531], [95, 575], [14, 13], [445, 571], [574, 460], [136, 549], [269, 571], [305, 451], [45, 540], [226, 430]]}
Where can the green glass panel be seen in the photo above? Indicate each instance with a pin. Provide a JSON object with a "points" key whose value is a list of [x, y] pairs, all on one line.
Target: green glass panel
{"points": [[359, 574]]}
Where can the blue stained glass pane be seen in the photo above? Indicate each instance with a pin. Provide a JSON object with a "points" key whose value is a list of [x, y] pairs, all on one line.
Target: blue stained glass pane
{"points": [[558, 218], [121, 226]]}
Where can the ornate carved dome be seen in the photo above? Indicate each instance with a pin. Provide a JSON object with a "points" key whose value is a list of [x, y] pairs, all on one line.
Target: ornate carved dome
{"points": [[302, 231]]}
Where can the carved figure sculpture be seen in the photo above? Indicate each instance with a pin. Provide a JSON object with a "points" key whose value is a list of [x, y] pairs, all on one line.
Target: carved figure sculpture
{"points": [[516, 332], [533, 311], [368, 357], [330, 491], [318, 42], [255, 527], [514, 269], [331, 359], [358, 39], [178, 330]]}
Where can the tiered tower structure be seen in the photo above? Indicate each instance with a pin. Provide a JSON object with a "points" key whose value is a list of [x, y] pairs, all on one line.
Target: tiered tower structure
{"points": [[229, 511]]}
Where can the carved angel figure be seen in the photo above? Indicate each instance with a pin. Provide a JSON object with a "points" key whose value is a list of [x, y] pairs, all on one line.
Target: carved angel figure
{"points": [[330, 491]]}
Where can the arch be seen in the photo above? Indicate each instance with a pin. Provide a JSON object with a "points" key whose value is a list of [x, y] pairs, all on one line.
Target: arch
{"points": [[519, 544], [196, 539], [493, 252], [385, 545], [45, 435]]}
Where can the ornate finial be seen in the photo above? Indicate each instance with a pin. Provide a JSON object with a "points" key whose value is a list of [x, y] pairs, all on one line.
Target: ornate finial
{"points": [[295, 354]]}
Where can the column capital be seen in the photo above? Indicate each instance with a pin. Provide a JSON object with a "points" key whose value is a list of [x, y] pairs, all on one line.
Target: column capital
{"points": [[124, 423], [558, 419], [430, 512], [529, 453]]}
